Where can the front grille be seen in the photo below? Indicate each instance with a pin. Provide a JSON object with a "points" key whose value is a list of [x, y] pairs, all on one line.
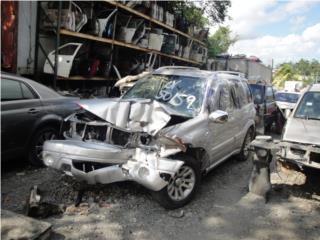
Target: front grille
{"points": [[89, 166], [120, 138], [315, 157], [298, 151], [96, 132]]}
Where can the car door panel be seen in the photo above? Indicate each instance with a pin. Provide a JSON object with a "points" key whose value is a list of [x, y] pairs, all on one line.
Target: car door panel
{"points": [[17, 119], [223, 134], [66, 55]]}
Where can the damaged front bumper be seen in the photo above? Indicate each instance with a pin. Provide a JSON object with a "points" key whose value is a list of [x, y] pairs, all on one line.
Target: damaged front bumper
{"points": [[299, 154], [96, 162]]}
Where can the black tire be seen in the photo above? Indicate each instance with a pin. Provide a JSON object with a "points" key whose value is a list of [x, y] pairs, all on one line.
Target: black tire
{"points": [[163, 197], [36, 144], [279, 123], [244, 153]]}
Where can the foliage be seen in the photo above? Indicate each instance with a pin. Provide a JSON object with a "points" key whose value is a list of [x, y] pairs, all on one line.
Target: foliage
{"points": [[201, 13], [304, 70], [216, 10], [220, 41]]}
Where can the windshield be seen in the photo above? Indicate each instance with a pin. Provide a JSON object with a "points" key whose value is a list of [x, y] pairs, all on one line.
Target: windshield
{"points": [[309, 107], [257, 92], [287, 97], [182, 94]]}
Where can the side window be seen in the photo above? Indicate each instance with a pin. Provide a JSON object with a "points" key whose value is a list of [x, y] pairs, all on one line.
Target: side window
{"points": [[14, 90], [67, 50], [269, 94], [224, 98], [10, 90], [247, 92], [211, 99], [235, 97], [26, 92]]}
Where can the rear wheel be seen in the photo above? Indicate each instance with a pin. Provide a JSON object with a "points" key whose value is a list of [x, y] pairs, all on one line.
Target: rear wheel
{"points": [[182, 186], [244, 153], [36, 145], [279, 123]]}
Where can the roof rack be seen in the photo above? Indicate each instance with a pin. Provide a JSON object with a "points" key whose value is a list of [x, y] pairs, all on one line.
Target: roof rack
{"points": [[177, 67], [239, 74]]}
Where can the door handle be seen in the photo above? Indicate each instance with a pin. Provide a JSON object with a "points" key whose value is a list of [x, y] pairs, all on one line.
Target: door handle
{"points": [[33, 111], [68, 61]]}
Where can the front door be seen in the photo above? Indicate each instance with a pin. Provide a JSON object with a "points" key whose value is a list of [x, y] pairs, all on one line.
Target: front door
{"points": [[66, 55], [223, 134]]}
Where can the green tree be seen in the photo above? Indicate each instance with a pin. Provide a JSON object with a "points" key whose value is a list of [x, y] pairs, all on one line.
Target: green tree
{"points": [[203, 13], [303, 70], [220, 41], [286, 72]]}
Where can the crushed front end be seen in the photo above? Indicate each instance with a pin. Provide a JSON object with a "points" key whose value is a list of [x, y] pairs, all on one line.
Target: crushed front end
{"points": [[100, 151], [302, 155]]}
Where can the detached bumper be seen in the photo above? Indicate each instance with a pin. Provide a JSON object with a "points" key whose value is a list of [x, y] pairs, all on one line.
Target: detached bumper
{"points": [[105, 163]]}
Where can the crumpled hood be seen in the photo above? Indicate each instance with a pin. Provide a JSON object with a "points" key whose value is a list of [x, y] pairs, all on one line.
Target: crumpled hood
{"points": [[134, 115], [302, 131], [286, 105]]}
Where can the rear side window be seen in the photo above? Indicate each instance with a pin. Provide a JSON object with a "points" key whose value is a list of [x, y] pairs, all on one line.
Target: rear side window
{"points": [[247, 92], [67, 50], [269, 94], [257, 92], [15, 90]]}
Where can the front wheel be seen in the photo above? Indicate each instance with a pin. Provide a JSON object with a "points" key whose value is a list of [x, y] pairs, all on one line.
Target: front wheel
{"points": [[36, 145], [244, 153], [181, 187]]}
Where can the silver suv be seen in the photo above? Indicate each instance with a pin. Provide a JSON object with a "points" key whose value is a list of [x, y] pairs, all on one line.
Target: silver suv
{"points": [[171, 127]]}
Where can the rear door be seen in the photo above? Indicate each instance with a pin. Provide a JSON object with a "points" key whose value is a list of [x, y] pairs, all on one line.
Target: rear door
{"points": [[20, 108]]}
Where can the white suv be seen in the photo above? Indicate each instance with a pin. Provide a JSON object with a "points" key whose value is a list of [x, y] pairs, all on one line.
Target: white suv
{"points": [[164, 133]]}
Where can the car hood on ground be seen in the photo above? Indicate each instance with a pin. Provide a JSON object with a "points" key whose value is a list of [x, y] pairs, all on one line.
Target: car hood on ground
{"points": [[302, 131], [137, 115]]}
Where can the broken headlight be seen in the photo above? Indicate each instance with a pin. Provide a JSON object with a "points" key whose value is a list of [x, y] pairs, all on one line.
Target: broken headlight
{"points": [[173, 141]]}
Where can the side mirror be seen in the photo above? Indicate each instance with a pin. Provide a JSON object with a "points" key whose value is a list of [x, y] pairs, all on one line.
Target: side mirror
{"points": [[219, 116]]}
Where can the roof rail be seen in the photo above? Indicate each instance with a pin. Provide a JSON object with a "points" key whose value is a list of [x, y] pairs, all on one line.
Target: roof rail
{"points": [[177, 67], [239, 74]]}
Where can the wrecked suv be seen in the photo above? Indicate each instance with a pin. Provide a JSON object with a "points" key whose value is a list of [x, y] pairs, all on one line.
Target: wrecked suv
{"points": [[171, 127], [300, 143]]}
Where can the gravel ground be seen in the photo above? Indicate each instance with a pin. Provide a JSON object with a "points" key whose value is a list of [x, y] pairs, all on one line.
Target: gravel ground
{"points": [[222, 209]]}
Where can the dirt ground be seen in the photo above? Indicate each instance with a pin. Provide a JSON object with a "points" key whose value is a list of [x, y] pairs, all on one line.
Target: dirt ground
{"points": [[222, 209]]}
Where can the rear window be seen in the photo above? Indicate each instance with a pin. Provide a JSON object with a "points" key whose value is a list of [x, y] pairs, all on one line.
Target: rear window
{"points": [[287, 97]]}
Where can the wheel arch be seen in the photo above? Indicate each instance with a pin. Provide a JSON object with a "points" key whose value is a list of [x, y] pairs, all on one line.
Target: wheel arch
{"points": [[50, 120]]}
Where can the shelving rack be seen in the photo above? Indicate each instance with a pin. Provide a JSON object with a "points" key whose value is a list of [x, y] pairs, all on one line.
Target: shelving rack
{"points": [[112, 42]]}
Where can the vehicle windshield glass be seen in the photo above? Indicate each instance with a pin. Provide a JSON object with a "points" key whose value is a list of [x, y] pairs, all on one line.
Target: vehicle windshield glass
{"points": [[257, 92], [287, 97], [309, 107], [182, 94]]}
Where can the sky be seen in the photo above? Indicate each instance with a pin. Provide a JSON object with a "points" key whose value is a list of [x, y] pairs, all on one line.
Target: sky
{"points": [[279, 30]]}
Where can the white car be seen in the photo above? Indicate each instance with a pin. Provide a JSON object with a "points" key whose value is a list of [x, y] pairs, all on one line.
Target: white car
{"points": [[286, 101]]}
